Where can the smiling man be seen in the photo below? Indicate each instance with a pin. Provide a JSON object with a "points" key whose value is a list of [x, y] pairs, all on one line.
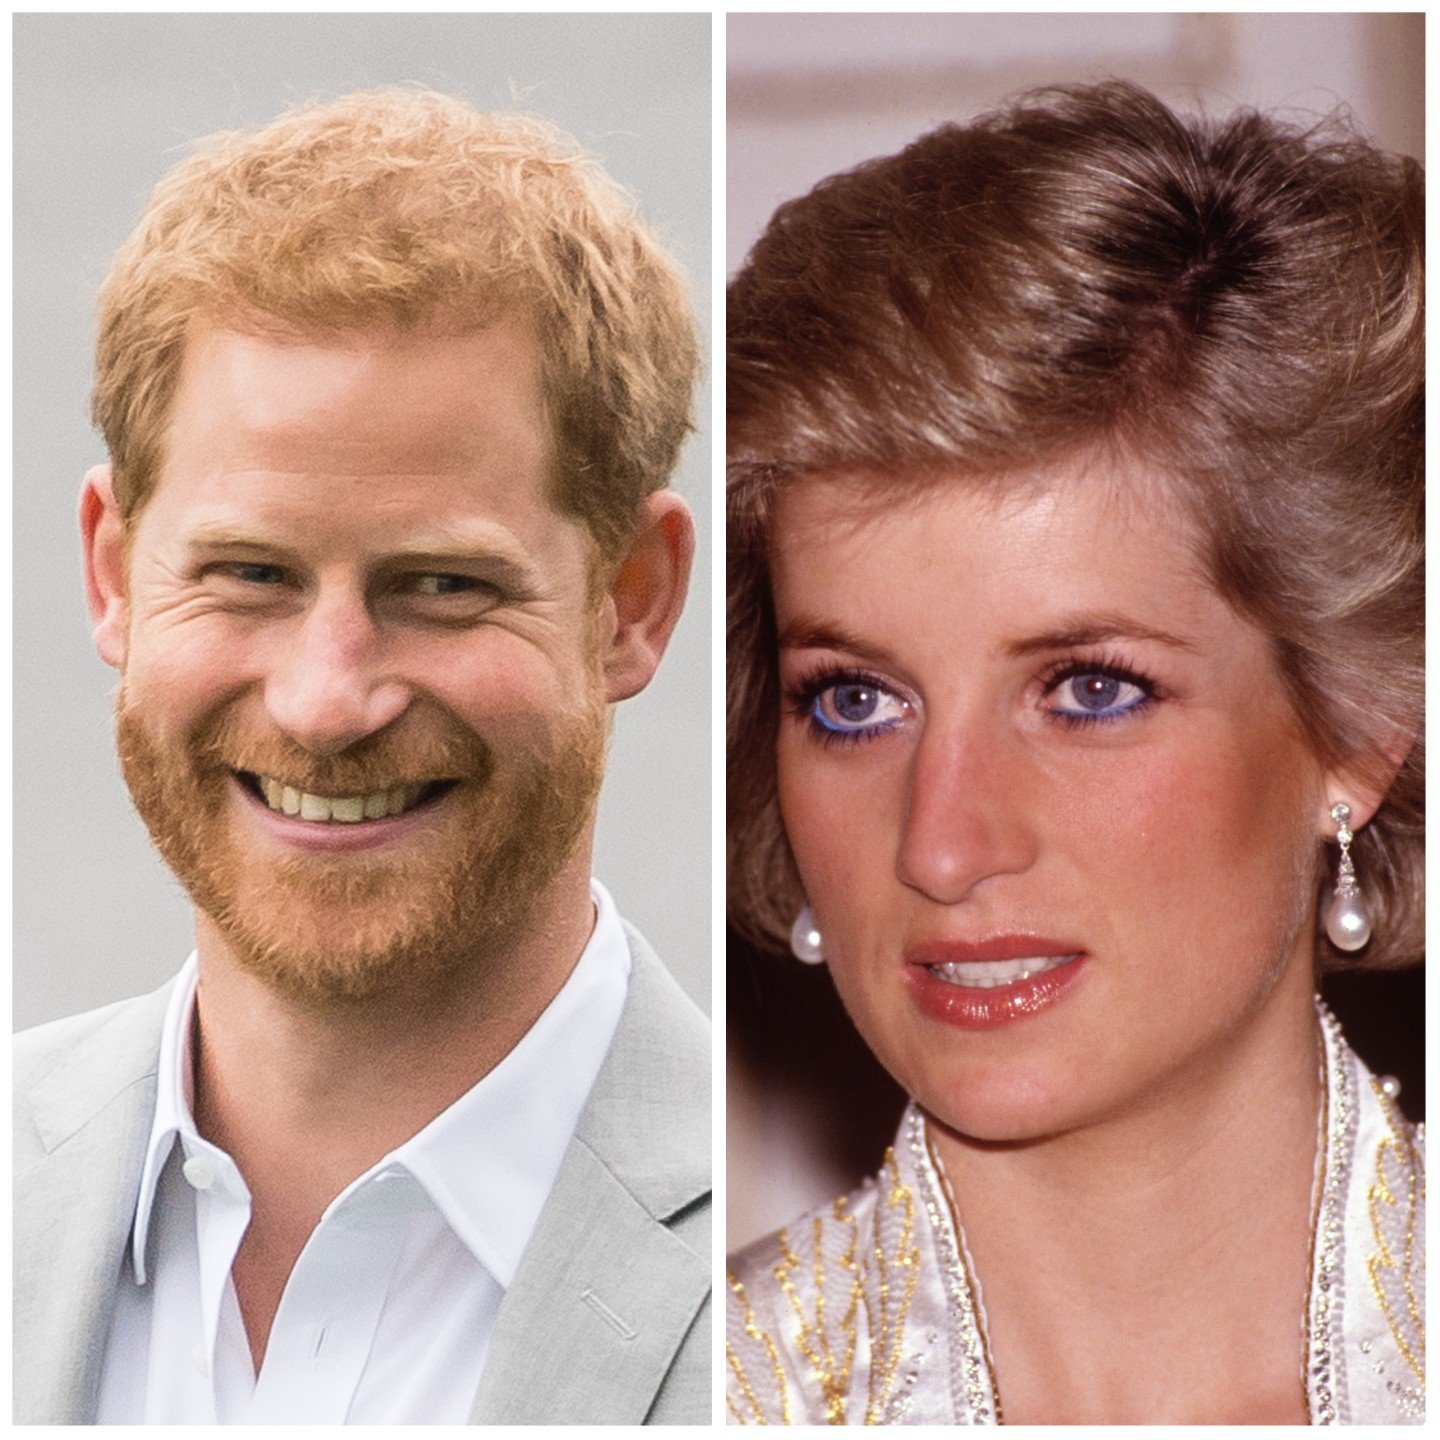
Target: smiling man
{"points": [[419, 1134]]}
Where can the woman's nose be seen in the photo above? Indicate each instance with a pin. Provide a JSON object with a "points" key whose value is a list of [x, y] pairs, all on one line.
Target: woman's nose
{"points": [[330, 684], [965, 818]]}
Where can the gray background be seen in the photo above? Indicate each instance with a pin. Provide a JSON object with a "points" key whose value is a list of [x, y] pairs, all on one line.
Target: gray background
{"points": [[106, 104]]}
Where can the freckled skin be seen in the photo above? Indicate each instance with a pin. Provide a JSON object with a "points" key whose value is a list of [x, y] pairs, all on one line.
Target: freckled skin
{"points": [[1177, 846]]}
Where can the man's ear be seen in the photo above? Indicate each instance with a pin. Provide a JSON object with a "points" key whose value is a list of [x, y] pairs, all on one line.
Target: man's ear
{"points": [[647, 593], [102, 535]]}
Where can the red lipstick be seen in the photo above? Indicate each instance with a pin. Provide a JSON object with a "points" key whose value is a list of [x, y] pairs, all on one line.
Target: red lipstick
{"points": [[936, 973]]}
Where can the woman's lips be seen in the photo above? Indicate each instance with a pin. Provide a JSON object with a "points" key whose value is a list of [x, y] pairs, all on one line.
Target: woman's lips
{"points": [[980, 985]]}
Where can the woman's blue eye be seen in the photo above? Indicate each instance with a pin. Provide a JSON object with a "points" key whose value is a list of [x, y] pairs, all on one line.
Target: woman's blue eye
{"points": [[855, 704], [1095, 695], [856, 707]]}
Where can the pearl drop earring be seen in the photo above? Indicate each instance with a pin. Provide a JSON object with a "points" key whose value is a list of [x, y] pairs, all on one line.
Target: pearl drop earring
{"points": [[1347, 921], [805, 942]]}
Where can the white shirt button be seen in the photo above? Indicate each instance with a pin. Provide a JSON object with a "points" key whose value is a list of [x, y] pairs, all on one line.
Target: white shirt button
{"points": [[199, 1172], [202, 1361]]}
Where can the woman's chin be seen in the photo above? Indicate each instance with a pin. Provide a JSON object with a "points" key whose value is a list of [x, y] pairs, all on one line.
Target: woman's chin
{"points": [[1007, 1108]]}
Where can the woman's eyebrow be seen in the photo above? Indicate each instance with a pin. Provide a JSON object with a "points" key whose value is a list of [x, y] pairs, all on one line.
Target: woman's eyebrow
{"points": [[1082, 630], [806, 633]]}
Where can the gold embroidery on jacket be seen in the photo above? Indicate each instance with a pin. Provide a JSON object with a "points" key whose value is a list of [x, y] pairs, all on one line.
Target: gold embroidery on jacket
{"points": [[737, 1368], [1395, 1200], [814, 1338], [826, 1301], [902, 1271]]}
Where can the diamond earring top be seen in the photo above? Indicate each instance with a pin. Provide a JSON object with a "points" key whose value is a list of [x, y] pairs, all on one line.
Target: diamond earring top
{"points": [[1347, 921]]}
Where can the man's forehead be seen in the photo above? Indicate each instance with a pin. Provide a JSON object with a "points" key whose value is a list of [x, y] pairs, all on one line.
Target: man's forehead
{"points": [[236, 523], [372, 403], [378, 392]]}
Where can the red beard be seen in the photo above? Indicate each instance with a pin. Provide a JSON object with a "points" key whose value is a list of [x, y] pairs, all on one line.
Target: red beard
{"points": [[355, 925]]}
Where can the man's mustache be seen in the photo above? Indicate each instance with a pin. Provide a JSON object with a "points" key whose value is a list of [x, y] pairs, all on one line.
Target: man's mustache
{"points": [[426, 752]]}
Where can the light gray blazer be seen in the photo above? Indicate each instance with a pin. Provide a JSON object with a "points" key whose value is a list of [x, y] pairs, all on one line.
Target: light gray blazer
{"points": [[608, 1318]]}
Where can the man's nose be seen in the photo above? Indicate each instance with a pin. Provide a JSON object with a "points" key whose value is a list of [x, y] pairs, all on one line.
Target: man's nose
{"points": [[966, 819], [331, 686]]}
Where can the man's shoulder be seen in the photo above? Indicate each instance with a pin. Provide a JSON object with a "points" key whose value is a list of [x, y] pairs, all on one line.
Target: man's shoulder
{"points": [[664, 1006], [137, 1019], [66, 1070], [662, 1044], [58, 1036], [84, 1099]]}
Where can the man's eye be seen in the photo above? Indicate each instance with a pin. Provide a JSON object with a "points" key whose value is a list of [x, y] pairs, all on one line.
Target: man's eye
{"points": [[254, 574], [443, 584], [440, 597]]}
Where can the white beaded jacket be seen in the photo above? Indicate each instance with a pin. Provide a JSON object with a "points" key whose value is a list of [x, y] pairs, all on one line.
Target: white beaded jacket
{"points": [[866, 1311]]}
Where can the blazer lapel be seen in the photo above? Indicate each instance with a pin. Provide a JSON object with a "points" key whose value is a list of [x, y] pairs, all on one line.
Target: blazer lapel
{"points": [[81, 1124], [603, 1298], [610, 1283]]}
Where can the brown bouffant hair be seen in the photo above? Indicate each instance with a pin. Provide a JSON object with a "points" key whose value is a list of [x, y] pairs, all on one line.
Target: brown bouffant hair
{"points": [[1236, 301], [411, 208]]}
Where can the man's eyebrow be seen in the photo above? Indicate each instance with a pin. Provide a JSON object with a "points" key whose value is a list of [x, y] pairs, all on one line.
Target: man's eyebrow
{"points": [[1077, 632], [497, 563], [441, 549], [221, 538]]}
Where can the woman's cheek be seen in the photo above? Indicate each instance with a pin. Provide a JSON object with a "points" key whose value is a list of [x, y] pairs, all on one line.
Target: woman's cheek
{"points": [[840, 815]]}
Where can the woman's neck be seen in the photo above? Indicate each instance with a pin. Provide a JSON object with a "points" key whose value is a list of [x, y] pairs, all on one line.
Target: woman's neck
{"points": [[1153, 1267]]}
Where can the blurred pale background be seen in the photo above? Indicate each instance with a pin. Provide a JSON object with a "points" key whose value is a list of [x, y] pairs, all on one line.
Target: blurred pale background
{"points": [[807, 95]]}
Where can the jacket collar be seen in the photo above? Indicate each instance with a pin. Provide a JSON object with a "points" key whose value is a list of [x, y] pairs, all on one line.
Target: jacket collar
{"points": [[608, 1289], [77, 1173]]}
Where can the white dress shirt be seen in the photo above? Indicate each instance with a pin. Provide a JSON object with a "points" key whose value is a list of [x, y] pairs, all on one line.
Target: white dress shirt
{"points": [[386, 1317]]}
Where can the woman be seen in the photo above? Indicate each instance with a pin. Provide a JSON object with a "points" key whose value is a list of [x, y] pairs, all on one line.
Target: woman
{"points": [[1075, 493]]}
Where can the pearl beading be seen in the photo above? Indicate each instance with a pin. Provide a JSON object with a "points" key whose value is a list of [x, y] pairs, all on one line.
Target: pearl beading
{"points": [[973, 1387], [1326, 1388]]}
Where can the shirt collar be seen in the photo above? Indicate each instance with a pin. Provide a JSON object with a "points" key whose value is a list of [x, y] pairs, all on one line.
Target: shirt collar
{"points": [[489, 1161]]}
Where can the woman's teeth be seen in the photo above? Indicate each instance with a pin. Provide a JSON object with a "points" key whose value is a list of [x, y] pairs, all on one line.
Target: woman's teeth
{"points": [[987, 974], [341, 809]]}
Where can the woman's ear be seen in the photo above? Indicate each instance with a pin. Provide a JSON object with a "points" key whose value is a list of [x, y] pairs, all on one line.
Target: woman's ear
{"points": [[1363, 782], [646, 594], [102, 535]]}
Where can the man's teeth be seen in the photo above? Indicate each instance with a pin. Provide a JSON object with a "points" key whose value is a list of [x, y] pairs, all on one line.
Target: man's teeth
{"points": [[987, 974], [342, 809]]}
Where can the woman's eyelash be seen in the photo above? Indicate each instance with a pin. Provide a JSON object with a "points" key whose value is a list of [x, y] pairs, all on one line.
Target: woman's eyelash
{"points": [[1099, 704], [1114, 691], [804, 700]]}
